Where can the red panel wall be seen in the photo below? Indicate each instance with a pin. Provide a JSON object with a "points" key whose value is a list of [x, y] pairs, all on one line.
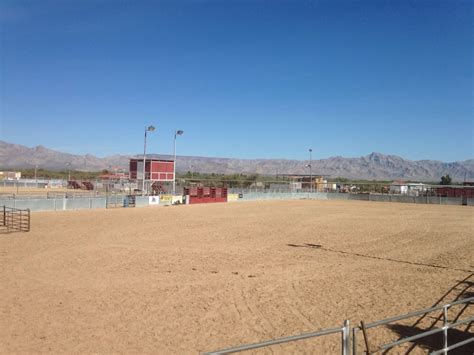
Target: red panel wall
{"points": [[162, 167], [133, 169], [206, 194], [455, 192], [159, 170]]}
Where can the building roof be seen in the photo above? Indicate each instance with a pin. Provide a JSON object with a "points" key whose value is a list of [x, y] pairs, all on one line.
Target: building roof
{"points": [[151, 159], [303, 175]]}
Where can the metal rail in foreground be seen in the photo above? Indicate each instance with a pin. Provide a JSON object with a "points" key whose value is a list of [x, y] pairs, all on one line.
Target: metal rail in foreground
{"points": [[345, 338], [444, 329]]}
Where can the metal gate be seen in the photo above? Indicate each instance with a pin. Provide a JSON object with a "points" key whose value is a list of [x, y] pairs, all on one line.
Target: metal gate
{"points": [[114, 200], [14, 220]]}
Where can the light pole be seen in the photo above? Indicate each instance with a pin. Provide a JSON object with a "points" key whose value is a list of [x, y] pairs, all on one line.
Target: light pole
{"points": [[176, 133], [147, 129], [36, 176], [310, 171], [68, 172], [192, 172]]}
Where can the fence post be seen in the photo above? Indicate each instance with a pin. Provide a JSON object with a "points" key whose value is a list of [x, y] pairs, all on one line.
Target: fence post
{"points": [[445, 330], [29, 219], [354, 341], [346, 338], [4, 216]]}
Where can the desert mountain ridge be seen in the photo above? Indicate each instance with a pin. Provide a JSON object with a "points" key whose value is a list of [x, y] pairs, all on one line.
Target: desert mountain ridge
{"points": [[373, 166]]}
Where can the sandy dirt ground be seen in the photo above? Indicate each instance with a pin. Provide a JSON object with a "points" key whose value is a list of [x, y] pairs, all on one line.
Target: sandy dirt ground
{"points": [[188, 279]]}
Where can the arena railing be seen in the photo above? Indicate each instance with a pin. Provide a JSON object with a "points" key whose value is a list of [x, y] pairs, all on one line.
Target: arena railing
{"points": [[444, 329], [344, 331]]}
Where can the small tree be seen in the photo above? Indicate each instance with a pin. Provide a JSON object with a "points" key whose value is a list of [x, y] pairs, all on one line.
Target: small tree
{"points": [[445, 180]]}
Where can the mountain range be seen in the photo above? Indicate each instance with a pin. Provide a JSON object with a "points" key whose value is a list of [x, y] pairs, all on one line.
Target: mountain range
{"points": [[375, 166]]}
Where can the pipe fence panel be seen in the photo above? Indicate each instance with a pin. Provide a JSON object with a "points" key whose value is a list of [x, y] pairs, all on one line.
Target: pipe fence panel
{"points": [[14, 220], [351, 346], [344, 331], [422, 334]]}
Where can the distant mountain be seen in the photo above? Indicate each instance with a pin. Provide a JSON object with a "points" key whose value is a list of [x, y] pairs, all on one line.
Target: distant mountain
{"points": [[373, 166]]}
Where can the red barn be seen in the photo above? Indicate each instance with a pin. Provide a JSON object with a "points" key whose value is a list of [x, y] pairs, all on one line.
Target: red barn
{"points": [[155, 170]]}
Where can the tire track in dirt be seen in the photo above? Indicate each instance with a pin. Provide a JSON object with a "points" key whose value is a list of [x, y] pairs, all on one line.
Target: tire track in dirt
{"points": [[292, 294], [266, 325]]}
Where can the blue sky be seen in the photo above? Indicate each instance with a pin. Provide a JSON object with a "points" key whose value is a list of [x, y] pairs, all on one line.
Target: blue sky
{"points": [[246, 79]]}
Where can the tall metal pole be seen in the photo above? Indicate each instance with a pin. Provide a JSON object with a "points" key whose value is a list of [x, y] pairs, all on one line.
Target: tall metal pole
{"points": [[144, 160], [176, 133], [310, 171], [174, 165], [36, 179], [147, 129]]}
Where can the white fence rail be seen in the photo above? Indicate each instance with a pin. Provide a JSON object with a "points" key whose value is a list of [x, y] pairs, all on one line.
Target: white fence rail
{"points": [[346, 340], [344, 331], [444, 329]]}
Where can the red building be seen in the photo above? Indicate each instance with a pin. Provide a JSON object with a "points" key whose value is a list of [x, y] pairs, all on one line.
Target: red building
{"points": [[451, 191], [155, 170]]}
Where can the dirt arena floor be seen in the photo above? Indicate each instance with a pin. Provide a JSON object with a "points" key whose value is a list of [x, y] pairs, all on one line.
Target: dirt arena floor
{"points": [[188, 279]]}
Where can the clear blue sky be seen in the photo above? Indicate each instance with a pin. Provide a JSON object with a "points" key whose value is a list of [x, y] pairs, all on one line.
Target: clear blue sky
{"points": [[247, 79]]}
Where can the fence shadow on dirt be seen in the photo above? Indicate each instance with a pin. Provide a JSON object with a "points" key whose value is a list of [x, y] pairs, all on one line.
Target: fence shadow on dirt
{"points": [[432, 342], [463, 289], [320, 247]]}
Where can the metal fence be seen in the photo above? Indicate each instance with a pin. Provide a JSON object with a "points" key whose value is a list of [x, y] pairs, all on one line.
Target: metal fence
{"points": [[345, 331], [14, 220], [410, 339]]}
